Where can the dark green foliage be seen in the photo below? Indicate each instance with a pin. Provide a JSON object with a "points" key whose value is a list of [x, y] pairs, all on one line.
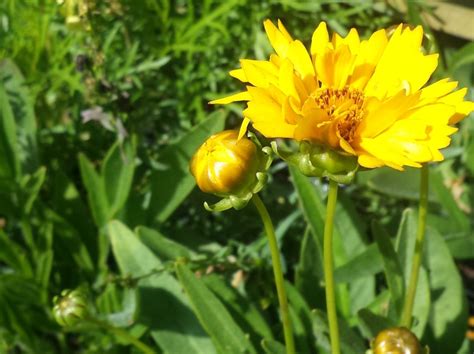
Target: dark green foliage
{"points": [[97, 125]]}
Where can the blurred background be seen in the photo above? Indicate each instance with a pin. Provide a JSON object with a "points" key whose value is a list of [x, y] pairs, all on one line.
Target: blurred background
{"points": [[102, 105]]}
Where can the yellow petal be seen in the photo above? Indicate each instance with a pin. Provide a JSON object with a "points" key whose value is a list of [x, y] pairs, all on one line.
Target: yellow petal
{"points": [[351, 40], [382, 114], [289, 113], [301, 60], [241, 96], [263, 107], [402, 65], [320, 39], [310, 126], [462, 110], [368, 56], [287, 80], [243, 128], [284, 31], [259, 73], [369, 161], [438, 89], [387, 152], [239, 74], [278, 40], [272, 130], [346, 146]]}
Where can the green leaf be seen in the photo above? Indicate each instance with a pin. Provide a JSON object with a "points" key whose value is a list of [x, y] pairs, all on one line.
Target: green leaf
{"points": [[271, 346], [170, 187], [462, 57], [350, 342], [397, 184], [69, 205], [301, 320], [461, 247], [449, 310], [44, 264], [392, 267], [164, 247], [309, 273], [95, 191], [242, 309], [164, 306], [30, 187], [371, 324], [9, 154], [367, 263], [14, 256], [117, 171], [69, 249], [458, 220], [405, 246], [217, 321], [22, 108]]}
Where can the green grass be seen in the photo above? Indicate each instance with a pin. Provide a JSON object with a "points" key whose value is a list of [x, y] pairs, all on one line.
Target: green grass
{"points": [[70, 190]]}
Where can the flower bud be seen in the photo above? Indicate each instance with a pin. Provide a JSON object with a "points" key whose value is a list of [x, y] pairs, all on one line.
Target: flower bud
{"points": [[315, 160], [397, 340], [70, 307], [231, 168], [75, 13]]}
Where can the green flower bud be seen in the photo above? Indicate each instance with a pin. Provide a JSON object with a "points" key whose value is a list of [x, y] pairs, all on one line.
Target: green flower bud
{"points": [[315, 160], [231, 168], [70, 307], [397, 340]]}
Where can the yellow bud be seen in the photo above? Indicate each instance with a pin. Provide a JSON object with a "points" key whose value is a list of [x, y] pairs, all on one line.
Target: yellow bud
{"points": [[231, 168], [398, 340], [224, 165]]}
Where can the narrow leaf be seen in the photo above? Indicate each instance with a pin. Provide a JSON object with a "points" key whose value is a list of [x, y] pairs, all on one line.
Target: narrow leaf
{"points": [[117, 171], [164, 247], [95, 191], [392, 268], [225, 333], [449, 312]]}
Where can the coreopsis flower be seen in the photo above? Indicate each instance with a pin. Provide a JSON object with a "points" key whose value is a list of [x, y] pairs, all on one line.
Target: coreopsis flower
{"points": [[364, 98], [231, 168]]}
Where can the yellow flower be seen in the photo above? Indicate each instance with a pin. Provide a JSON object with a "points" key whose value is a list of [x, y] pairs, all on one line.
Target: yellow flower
{"points": [[364, 98], [231, 168]]}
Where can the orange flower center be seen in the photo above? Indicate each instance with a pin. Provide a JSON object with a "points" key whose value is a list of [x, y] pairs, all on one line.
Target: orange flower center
{"points": [[345, 107]]}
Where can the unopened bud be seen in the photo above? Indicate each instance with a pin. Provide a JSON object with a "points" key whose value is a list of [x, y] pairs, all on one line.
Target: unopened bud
{"points": [[70, 307], [315, 160], [231, 168], [397, 340]]}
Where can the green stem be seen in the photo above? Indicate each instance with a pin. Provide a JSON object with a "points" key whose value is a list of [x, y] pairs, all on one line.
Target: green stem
{"points": [[277, 272], [329, 268], [420, 237], [123, 334]]}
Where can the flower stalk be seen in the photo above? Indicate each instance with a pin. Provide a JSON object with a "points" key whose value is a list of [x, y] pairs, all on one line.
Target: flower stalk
{"points": [[329, 268], [406, 317], [277, 272]]}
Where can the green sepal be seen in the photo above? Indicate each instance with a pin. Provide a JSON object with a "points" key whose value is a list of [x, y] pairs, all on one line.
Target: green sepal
{"points": [[314, 160]]}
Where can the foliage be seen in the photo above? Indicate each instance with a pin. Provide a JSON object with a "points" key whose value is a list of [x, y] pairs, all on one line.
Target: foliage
{"points": [[97, 125]]}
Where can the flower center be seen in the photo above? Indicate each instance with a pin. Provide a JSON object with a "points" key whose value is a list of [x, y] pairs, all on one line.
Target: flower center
{"points": [[344, 106]]}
